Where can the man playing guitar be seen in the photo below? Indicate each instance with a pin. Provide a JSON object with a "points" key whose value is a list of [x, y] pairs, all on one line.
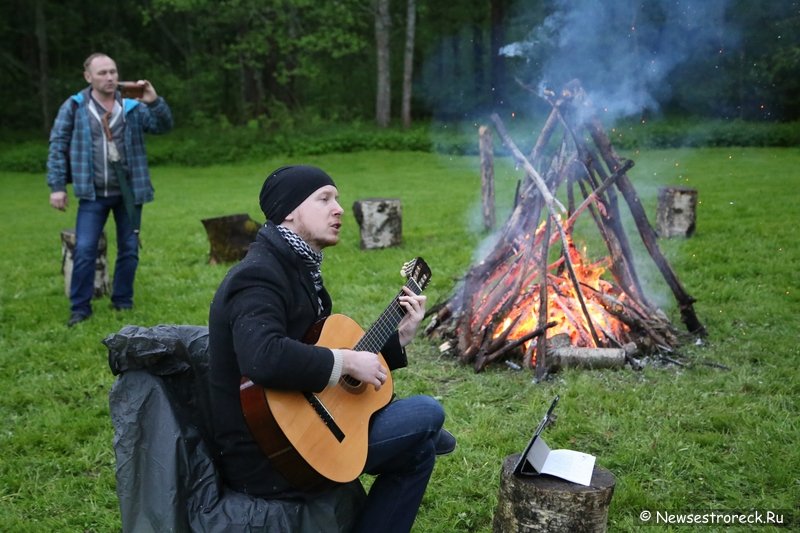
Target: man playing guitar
{"points": [[259, 317]]}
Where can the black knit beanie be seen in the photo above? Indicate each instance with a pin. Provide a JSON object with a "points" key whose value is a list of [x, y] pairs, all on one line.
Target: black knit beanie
{"points": [[288, 187]]}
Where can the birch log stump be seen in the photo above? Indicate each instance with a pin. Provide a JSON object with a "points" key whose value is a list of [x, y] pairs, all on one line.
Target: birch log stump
{"points": [[101, 282], [230, 237], [381, 222], [549, 504], [592, 358], [676, 215]]}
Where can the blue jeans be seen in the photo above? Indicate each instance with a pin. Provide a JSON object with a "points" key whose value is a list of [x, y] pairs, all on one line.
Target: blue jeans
{"points": [[402, 454], [92, 216]]}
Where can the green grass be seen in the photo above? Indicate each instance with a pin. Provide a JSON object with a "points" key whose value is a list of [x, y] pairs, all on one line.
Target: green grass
{"points": [[694, 438]]}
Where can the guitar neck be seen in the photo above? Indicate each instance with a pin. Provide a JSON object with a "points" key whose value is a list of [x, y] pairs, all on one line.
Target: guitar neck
{"points": [[383, 328]]}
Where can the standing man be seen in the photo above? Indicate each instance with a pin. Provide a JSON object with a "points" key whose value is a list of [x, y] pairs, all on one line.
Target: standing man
{"points": [[97, 143], [262, 309]]}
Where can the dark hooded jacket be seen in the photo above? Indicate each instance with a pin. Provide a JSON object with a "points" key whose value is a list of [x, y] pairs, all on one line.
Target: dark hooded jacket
{"points": [[70, 153]]}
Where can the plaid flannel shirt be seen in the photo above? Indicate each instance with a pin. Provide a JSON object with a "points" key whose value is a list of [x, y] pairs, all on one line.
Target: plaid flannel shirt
{"points": [[71, 145]]}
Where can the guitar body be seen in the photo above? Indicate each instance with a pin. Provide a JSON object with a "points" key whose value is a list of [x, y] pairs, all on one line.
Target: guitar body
{"points": [[336, 453], [317, 439]]}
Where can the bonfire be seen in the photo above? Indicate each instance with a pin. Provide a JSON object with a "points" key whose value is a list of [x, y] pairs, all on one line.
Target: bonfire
{"points": [[535, 288]]}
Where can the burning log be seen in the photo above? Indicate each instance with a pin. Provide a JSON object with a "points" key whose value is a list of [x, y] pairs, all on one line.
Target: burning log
{"points": [[551, 203], [594, 197], [507, 303], [646, 231], [541, 339], [485, 360], [608, 217], [657, 328]]}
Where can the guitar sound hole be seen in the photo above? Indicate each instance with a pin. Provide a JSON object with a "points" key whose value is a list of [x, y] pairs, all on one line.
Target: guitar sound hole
{"points": [[349, 382]]}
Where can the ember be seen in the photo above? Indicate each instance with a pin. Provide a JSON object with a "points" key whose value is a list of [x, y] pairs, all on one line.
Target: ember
{"points": [[535, 284]]}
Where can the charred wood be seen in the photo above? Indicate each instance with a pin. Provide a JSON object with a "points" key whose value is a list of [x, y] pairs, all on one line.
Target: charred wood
{"points": [[516, 343], [541, 340], [547, 196], [646, 231], [517, 286], [487, 176]]}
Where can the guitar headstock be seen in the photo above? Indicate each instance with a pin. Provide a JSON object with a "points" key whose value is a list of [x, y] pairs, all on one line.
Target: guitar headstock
{"points": [[418, 270]]}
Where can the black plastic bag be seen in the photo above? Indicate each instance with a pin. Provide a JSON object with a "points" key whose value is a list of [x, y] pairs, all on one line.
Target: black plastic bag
{"points": [[166, 478]]}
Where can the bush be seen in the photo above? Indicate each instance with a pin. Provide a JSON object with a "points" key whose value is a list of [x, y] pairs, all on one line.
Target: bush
{"points": [[217, 142], [677, 132], [27, 156]]}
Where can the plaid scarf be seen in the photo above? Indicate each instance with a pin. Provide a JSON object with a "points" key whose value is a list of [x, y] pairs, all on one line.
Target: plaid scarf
{"points": [[312, 259]]}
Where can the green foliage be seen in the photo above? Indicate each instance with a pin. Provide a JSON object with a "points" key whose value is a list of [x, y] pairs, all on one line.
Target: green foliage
{"points": [[244, 58], [216, 141], [28, 156], [692, 132], [718, 434]]}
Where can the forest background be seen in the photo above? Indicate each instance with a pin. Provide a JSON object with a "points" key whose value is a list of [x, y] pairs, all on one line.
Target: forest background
{"points": [[280, 66], [254, 83]]}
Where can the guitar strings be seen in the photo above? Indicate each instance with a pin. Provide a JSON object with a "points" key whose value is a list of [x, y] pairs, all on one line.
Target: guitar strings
{"points": [[387, 323]]}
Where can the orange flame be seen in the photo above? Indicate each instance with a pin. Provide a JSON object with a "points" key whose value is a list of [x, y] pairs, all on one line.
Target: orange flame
{"points": [[564, 306]]}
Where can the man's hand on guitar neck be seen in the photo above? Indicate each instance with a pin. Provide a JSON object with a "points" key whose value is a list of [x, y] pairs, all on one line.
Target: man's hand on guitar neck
{"points": [[414, 304], [364, 366]]}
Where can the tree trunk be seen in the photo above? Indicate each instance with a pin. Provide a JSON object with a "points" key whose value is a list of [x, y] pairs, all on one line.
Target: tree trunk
{"points": [[383, 99], [44, 82], [408, 61], [259, 93], [241, 104], [497, 39], [478, 64]]}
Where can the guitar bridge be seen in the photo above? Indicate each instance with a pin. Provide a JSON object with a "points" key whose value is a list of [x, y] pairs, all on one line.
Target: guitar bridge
{"points": [[324, 415]]}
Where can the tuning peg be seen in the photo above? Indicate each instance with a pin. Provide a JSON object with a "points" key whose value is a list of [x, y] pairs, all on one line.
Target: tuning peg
{"points": [[407, 268]]}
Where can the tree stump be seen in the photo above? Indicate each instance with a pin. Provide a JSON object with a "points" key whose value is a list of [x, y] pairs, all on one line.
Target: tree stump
{"points": [[547, 503], [230, 237], [676, 215], [381, 222], [101, 283]]}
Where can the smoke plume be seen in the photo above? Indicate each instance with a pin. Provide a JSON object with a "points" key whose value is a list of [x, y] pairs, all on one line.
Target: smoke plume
{"points": [[622, 51]]}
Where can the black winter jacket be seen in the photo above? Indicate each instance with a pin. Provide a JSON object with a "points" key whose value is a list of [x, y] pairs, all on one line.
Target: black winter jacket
{"points": [[258, 318]]}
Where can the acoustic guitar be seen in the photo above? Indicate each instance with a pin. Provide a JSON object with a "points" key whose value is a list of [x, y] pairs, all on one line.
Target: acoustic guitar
{"points": [[317, 439]]}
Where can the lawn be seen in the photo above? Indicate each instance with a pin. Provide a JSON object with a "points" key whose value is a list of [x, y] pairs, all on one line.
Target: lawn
{"points": [[719, 433]]}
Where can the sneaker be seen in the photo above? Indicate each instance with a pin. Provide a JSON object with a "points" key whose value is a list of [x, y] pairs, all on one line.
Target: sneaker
{"points": [[116, 307], [445, 442], [74, 318]]}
